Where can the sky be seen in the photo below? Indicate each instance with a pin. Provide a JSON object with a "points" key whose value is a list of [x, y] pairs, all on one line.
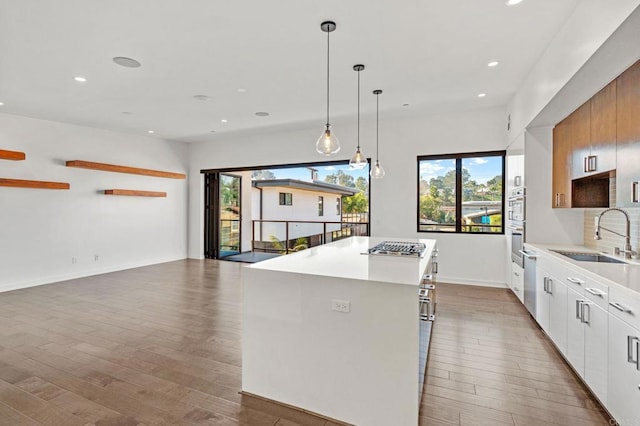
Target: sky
{"points": [[303, 173], [481, 169]]}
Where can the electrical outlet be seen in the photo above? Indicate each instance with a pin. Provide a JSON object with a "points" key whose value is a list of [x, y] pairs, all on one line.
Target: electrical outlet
{"points": [[74, 260], [340, 305]]}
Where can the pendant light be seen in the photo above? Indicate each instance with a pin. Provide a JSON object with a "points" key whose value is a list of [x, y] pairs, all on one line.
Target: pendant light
{"points": [[377, 172], [358, 161], [328, 144]]}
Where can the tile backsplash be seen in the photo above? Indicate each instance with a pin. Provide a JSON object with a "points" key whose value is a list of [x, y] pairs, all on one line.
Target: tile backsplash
{"points": [[615, 221]]}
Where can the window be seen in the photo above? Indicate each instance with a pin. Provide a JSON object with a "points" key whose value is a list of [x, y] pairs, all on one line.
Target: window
{"points": [[338, 207], [461, 193], [320, 206], [286, 198]]}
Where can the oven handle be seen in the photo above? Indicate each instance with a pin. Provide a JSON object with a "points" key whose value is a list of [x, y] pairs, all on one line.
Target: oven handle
{"points": [[528, 255], [515, 228]]}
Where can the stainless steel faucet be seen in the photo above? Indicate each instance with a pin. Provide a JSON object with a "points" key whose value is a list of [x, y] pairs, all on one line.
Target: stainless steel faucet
{"points": [[628, 251]]}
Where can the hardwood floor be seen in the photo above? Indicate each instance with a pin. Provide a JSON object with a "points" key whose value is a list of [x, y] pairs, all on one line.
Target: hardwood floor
{"points": [[489, 364], [161, 345]]}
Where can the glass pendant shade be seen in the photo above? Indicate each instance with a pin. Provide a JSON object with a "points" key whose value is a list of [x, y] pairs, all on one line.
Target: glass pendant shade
{"points": [[358, 161], [328, 143], [377, 172]]}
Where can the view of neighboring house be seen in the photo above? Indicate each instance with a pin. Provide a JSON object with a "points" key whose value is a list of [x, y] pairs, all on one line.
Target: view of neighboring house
{"points": [[302, 213]]}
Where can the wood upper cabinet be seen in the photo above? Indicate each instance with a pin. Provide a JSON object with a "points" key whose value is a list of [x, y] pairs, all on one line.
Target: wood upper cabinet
{"points": [[561, 195], [628, 138], [580, 139], [603, 131]]}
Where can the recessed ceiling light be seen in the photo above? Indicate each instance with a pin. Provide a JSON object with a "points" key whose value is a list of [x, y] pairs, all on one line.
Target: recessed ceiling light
{"points": [[493, 64], [242, 90], [150, 131], [202, 97], [262, 114], [126, 62], [482, 95], [224, 120], [513, 2], [1, 103], [80, 79]]}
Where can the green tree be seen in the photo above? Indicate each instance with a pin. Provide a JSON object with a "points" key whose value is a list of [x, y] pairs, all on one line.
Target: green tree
{"points": [[362, 184], [340, 178], [357, 203], [262, 175]]}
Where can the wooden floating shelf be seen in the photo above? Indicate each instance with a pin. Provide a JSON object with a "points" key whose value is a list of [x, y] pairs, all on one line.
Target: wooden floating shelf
{"points": [[12, 155], [124, 169], [38, 184], [134, 193]]}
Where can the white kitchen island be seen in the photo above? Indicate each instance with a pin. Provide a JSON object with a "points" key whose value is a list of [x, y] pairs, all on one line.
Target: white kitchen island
{"points": [[359, 367]]}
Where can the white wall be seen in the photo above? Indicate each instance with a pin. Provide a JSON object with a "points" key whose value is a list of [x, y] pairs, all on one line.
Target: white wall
{"points": [[304, 207], [477, 259], [43, 229]]}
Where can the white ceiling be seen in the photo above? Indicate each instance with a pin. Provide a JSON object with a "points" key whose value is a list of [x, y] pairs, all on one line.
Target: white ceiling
{"points": [[431, 54]]}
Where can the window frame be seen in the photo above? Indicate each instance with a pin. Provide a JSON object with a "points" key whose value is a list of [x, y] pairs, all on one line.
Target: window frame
{"points": [[338, 206], [320, 206], [282, 198], [458, 161]]}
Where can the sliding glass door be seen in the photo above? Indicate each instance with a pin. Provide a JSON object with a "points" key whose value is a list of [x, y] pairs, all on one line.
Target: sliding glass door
{"points": [[223, 215]]}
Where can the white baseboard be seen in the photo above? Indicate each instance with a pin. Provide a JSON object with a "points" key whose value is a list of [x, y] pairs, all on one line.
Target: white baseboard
{"points": [[86, 273], [464, 281]]}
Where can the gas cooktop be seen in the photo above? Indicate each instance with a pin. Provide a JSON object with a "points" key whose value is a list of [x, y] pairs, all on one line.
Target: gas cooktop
{"points": [[398, 248]]}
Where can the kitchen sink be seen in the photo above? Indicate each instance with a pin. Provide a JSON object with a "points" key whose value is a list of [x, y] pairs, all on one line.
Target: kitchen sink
{"points": [[588, 257]]}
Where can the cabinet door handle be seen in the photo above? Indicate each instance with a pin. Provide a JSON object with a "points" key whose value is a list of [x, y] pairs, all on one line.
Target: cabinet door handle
{"points": [[427, 278], [596, 292], [586, 164], [550, 286], [635, 192], [579, 309], [630, 341], [586, 318], [435, 268], [557, 199], [545, 285], [575, 280], [620, 307]]}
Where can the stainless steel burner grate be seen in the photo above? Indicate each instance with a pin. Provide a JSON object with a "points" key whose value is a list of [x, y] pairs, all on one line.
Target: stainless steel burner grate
{"points": [[398, 248]]}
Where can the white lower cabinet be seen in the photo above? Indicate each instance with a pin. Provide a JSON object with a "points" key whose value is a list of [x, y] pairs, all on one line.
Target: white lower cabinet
{"points": [[623, 399], [558, 294], [517, 281], [596, 332], [575, 331], [587, 341], [551, 308]]}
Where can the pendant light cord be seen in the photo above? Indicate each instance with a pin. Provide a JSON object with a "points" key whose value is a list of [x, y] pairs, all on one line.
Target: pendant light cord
{"points": [[358, 110], [377, 123], [328, 32]]}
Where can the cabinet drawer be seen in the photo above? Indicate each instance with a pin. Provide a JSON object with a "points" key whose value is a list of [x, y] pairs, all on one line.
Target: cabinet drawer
{"points": [[574, 280], [552, 267], [625, 304]]}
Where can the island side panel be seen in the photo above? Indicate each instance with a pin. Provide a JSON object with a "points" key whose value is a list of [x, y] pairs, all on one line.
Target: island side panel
{"points": [[360, 367]]}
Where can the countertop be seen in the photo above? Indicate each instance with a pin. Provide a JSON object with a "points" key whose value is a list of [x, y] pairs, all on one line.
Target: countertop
{"points": [[626, 275], [345, 259]]}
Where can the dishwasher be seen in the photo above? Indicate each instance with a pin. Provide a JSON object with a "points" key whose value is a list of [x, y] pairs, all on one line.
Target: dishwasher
{"points": [[530, 280]]}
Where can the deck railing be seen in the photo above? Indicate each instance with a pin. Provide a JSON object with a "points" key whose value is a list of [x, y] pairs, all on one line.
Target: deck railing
{"points": [[285, 236]]}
